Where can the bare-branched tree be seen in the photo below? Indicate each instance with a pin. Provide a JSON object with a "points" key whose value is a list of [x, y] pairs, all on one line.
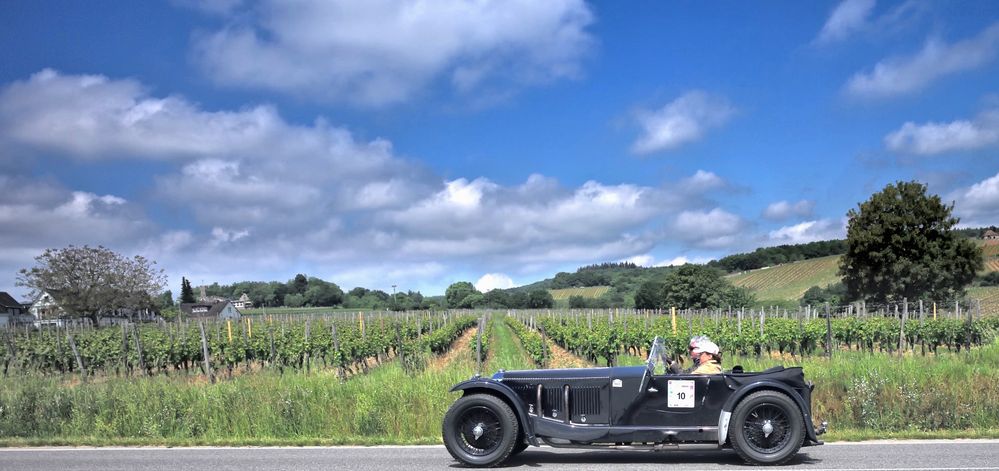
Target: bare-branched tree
{"points": [[90, 282]]}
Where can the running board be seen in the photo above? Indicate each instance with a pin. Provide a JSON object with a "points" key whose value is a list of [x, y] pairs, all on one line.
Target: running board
{"points": [[557, 443]]}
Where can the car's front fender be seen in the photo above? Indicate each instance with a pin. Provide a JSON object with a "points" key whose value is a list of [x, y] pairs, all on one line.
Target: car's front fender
{"points": [[496, 388], [803, 404]]}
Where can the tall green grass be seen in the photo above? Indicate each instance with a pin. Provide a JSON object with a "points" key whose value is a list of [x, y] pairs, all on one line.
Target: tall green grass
{"points": [[873, 393]]}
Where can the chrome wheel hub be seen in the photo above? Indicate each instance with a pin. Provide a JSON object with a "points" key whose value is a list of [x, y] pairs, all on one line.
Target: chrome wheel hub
{"points": [[768, 428], [478, 431]]}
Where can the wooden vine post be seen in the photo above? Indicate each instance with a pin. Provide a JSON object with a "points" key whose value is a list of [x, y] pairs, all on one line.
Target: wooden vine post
{"points": [[336, 352], [204, 352], [76, 354], [138, 349], [478, 348], [829, 350]]}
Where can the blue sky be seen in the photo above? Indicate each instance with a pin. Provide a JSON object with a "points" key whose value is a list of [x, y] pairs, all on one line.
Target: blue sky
{"points": [[422, 143]]}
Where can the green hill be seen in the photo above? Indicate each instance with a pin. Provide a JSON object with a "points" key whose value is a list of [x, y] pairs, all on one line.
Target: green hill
{"points": [[789, 281]]}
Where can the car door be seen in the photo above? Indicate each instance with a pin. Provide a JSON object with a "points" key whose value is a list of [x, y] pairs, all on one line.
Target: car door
{"points": [[682, 400]]}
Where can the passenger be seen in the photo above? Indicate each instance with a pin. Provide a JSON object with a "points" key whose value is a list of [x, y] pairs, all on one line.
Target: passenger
{"points": [[706, 357], [674, 366]]}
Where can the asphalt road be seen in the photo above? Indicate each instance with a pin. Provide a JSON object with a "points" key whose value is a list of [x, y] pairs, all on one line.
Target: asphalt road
{"points": [[937, 455]]}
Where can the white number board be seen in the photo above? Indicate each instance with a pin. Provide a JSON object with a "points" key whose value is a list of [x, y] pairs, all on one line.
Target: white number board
{"points": [[681, 394]]}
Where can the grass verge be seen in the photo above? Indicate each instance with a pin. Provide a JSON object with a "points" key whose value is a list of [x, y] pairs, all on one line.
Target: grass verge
{"points": [[862, 395]]}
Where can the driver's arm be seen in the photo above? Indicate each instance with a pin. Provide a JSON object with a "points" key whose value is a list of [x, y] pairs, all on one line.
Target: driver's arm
{"points": [[674, 367]]}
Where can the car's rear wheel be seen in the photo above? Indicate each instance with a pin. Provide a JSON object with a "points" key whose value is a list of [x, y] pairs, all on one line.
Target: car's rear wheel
{"points": [[480, 430], [767, 428]]}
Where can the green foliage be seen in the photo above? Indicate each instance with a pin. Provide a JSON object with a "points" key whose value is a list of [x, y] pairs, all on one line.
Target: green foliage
{"points": [[177, 347], [530, 340], [186, 291], [486, 335], [457, 292], [650, 296], [989, 279], [699, 287], [900, 244], [540, 299], [577, 302], [834, 294]]}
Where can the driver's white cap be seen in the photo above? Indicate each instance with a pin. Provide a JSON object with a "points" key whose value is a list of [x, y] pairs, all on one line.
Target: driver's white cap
{"points": [[706, 346]]}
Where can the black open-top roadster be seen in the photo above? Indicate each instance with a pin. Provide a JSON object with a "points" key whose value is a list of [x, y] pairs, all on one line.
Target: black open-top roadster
{"points": [[766, 416]]}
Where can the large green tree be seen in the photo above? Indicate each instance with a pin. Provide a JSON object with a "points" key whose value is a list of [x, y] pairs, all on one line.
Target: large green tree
{"points": [[186, 291], [90, 282], [649, 295], [700, 287], [540, 299], [457, 292], [901, 244]]}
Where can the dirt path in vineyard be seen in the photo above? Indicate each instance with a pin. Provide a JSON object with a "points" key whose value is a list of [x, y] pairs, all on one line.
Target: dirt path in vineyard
{"points": [[458, 350]]}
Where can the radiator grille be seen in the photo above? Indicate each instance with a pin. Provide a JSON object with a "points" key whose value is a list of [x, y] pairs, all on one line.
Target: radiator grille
{"points": [[585, 400], [552, 401]]}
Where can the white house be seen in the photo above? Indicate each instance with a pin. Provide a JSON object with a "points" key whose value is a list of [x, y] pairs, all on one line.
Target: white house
{"points": [[219, 310], [45, 307], [243, 302]]}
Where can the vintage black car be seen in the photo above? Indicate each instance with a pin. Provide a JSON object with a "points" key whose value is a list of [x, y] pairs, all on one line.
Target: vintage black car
{"points": [[766, 416]]}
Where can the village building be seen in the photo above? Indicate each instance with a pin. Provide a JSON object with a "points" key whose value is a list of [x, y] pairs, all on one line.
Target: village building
{"points": [[243, 302], [215, 310], [991, 235], [45, 307], [11, 311]]}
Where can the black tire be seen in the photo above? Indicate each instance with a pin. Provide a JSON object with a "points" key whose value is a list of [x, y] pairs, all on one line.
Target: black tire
{"points": [[497, 433], [754, 441]]}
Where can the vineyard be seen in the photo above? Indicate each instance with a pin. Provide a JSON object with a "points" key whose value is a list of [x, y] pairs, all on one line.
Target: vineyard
{"points": [[790, 281], [600, 336], [280, 385], [344, 343], [586, 292]]}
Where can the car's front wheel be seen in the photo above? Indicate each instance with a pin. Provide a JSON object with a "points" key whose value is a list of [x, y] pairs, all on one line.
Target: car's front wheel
{"points": [[767, 428], [480, 430]]}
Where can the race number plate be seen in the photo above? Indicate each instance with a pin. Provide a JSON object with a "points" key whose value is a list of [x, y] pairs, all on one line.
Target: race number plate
{"points": [[681, 394]]}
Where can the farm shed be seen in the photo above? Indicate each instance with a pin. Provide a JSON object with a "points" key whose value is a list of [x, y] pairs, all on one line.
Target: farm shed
{"points": [[991, 235], [219, 310]]}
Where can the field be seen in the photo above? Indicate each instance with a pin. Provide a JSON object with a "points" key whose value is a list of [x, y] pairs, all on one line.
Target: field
{"points": [[587, 292], [789, 281], [865, 392]]}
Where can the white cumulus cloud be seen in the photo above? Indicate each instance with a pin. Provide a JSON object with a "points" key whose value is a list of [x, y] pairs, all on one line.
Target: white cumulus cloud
{"points": [[937, 138], [710, 229], [978, 204], [381, 52], [808, 231], [491, 281], [781, 210], [847, 18], [903, 75], [685, 119]]}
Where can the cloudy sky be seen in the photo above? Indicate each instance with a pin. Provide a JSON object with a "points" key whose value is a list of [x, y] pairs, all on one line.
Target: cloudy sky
{"points": [[418, 143]]}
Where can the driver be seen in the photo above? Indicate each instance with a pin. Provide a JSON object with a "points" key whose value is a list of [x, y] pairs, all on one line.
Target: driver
{"points": [[706, 355]]}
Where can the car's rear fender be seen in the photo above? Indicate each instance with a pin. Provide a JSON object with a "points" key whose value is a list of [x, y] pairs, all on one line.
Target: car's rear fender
{"points": [[803, 404], [502, 391]]}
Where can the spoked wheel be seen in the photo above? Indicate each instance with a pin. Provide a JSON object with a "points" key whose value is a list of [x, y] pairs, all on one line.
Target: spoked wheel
{"points": [[480, 430], [767, 428]]}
